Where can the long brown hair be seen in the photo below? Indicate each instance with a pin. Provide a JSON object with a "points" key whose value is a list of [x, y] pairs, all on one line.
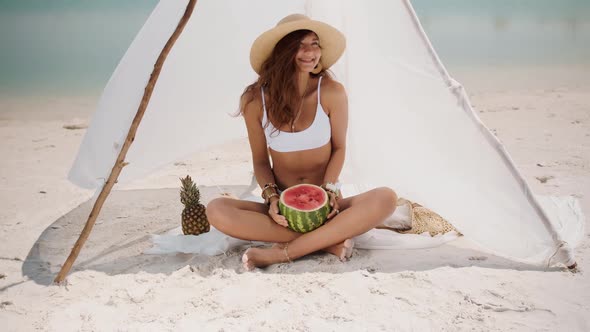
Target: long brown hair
{"points": [[279, 79]]}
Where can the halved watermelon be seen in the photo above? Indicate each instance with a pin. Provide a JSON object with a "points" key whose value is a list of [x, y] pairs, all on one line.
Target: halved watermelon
{"points": [[305, 206]]}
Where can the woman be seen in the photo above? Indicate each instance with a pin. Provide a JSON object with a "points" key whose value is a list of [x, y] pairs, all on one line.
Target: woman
{"points": [[297, 114]]}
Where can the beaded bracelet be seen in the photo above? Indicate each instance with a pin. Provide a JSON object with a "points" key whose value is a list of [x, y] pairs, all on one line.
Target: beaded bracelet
{"points": [[332, 188], [336, 195], [267, 200], [266, 195], [270, 184], [266, 187]]}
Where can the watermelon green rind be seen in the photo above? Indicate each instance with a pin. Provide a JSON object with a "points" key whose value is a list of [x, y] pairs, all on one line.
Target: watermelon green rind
{"points": [[303, 221]]}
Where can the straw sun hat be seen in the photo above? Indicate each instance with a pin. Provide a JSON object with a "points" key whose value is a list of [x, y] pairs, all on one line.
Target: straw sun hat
{"points": [[332, 41]]}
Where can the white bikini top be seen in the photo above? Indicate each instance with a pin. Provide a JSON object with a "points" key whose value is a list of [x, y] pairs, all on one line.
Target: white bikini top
{"points": [[316, 135]]}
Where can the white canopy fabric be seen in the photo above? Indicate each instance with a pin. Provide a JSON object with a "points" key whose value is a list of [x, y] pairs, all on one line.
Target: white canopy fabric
{"points": [[411, 126]]}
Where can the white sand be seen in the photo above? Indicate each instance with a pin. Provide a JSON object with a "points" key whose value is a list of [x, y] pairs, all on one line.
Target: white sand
{"points": [[542, 116]]}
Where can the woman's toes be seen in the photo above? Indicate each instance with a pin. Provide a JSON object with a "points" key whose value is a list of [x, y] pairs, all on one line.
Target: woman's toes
{"points": [[349, 245], [347, 248], [248, 266]]}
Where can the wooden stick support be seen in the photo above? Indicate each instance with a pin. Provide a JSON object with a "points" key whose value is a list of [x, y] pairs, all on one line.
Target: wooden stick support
{"points": [[120, 162]]}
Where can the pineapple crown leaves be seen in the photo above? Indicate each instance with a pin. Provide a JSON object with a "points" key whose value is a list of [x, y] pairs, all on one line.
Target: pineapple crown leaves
{"points": [[189, 193]]}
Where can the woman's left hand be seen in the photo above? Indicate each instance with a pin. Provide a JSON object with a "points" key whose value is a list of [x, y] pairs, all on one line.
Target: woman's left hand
{"points": [[334, 204]]}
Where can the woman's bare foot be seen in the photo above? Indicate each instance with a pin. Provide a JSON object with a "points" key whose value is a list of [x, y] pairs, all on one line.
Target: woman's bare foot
{"points": [[258, 257], [342, 250]]}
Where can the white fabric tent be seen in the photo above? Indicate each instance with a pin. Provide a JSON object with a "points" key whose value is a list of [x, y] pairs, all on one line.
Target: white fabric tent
{"points": [[411, 126]]}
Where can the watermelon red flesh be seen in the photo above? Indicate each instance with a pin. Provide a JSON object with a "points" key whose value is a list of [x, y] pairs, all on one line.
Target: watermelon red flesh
{"points": [[305, 206]]}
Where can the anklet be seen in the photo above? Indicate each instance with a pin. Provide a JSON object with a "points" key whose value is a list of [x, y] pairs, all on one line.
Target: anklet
{"points": [[287, 253]]}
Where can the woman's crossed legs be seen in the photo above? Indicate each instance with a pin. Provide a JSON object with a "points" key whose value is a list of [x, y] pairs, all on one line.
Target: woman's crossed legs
{"points": [[250, 221]]}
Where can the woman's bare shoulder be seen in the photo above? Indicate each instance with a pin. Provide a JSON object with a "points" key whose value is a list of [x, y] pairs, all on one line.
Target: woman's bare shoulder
{"points": [[333, 94], [332, 88], [251, 104]]}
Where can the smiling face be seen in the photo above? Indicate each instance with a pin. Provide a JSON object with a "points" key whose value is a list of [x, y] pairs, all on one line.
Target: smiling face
{"points": [[309, 53]]}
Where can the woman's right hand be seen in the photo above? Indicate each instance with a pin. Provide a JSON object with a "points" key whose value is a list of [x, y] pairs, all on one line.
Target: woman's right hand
{"points": [[273, 212]]}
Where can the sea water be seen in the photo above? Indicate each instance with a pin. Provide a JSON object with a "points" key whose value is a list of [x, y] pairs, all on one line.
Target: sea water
{"points": [[508, 32], [63, 47]]}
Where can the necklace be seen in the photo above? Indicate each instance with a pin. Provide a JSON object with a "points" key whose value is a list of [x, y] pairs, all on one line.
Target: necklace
{"points": [[300, 106]]}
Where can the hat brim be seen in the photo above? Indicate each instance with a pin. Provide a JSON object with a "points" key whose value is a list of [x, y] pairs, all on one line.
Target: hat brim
{"points": [[332, 41]]}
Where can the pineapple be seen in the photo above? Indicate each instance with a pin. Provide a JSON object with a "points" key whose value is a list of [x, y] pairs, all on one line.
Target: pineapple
{"points": [[194, 219]]}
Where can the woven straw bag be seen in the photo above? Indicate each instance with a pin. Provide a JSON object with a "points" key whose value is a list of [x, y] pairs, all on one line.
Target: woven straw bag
{"points": [[423, 220]]}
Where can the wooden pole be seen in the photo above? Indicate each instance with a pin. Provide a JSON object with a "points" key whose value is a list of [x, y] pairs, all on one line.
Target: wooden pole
{"points": [[120, 162]]}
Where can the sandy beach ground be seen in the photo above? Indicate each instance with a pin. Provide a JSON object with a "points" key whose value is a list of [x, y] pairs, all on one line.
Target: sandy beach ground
{"points": [[542, 115]]}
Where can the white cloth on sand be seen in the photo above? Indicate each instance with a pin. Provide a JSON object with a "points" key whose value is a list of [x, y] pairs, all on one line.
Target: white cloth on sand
{"points": [[215, 242]]}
